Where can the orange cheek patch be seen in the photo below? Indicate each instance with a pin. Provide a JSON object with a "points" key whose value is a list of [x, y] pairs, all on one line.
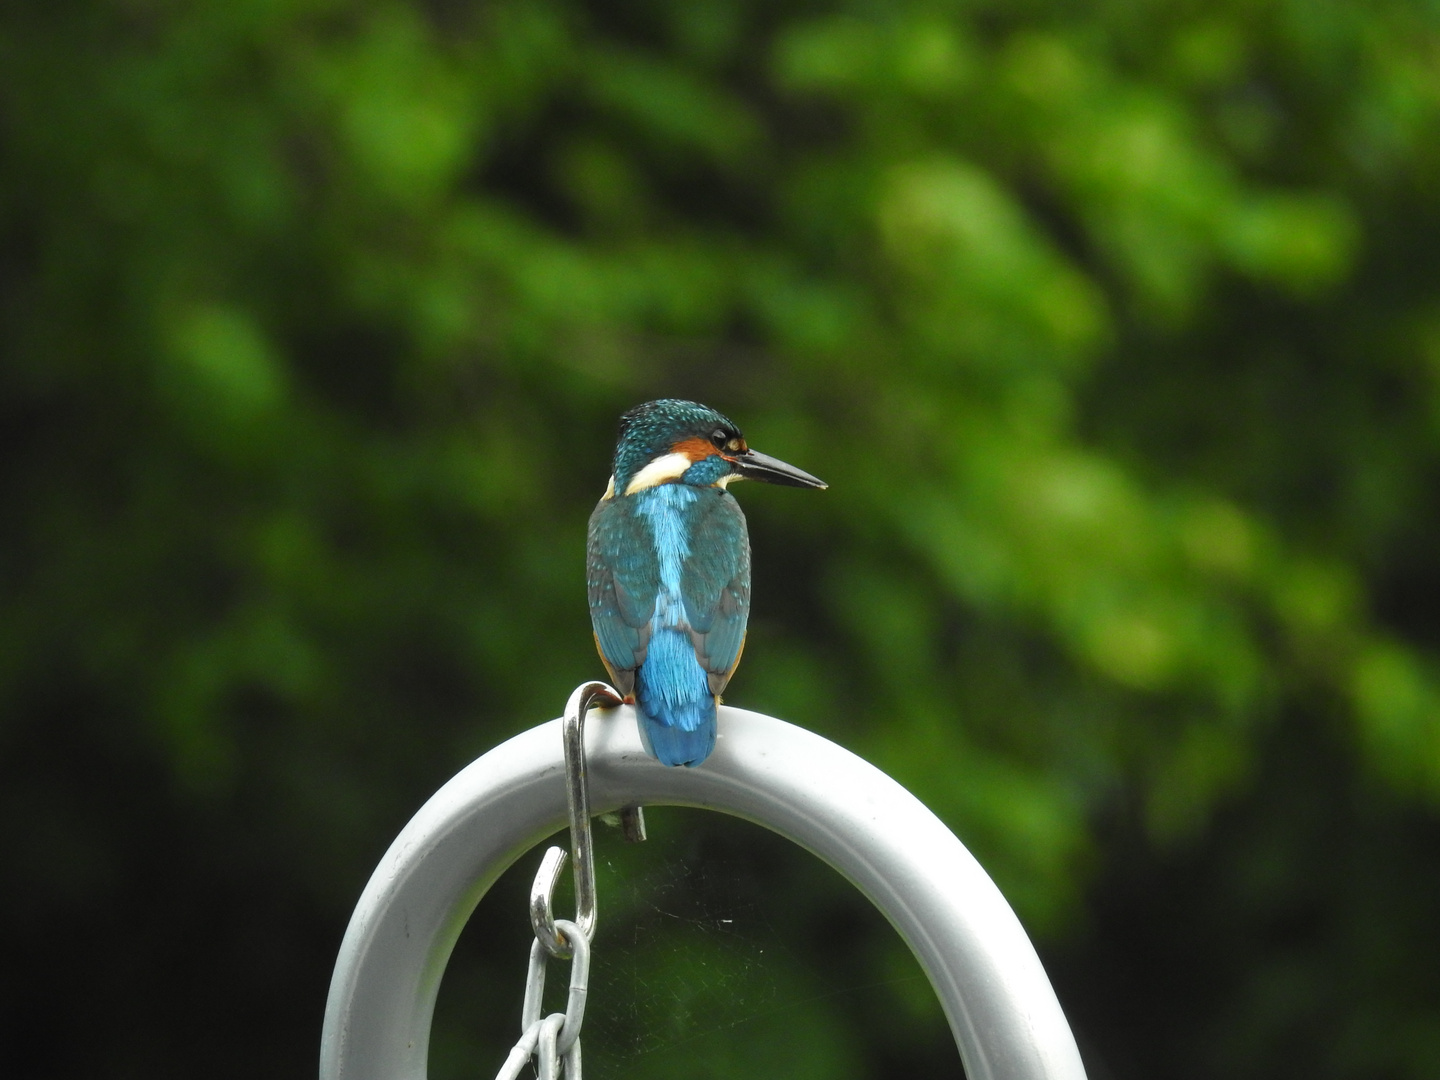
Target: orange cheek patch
{"points": [[694, 449]]}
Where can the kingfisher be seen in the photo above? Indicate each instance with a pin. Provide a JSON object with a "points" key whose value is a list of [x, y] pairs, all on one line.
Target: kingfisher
{"points": [[668, 568]]}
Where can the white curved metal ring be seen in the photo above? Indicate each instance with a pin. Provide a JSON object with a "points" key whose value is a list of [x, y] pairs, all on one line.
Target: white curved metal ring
{"points": [[1001, 1007]]}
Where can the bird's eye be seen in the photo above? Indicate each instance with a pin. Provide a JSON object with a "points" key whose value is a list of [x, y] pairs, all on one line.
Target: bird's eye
{"points": [[720, 437]]}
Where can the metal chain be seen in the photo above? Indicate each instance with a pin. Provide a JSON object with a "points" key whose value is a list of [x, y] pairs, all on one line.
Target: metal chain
{"points": [[556, 1038]]}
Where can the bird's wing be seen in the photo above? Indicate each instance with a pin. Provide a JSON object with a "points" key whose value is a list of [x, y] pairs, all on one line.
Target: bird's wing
{"points": [[715, 582], [621, 575]]}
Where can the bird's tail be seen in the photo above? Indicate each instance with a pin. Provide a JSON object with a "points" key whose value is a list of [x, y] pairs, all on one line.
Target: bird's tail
{"points": [[673, 698]]}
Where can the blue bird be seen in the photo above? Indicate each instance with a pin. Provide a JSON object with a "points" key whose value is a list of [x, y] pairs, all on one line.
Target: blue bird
{"points": [[668, 569]]}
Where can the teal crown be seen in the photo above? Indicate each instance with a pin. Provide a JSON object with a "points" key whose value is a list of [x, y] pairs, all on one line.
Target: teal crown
{"points": [[650, 430]]}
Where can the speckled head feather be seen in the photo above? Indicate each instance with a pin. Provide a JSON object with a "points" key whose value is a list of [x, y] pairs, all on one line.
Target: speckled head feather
{"points": [[647, 431]]}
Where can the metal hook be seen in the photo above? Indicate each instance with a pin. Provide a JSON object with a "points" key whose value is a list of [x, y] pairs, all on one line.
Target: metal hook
{"points": [[542, 916]]}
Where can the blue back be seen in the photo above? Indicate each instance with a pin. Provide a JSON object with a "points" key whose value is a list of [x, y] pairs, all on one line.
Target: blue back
{"points": [[669, 586]]}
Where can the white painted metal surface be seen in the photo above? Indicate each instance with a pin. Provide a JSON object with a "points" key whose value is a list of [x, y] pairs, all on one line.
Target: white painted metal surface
{"points": [[1001, 1007]]}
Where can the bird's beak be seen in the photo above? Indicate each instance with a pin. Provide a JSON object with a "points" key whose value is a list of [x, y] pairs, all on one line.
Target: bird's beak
{"points": [[757, 466]]}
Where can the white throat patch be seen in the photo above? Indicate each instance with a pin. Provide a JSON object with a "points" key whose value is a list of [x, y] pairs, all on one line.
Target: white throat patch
{"points": [[661, 470]]}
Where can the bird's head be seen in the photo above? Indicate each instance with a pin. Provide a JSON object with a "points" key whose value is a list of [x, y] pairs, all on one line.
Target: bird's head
{"points": [[668, 440]]}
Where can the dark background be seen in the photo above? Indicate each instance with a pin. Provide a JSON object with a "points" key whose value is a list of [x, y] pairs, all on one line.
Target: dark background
{"points": [[1114, 327]]}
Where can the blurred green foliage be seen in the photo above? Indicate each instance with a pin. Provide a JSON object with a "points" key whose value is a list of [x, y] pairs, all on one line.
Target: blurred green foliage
{"points": [[1115, 329]]}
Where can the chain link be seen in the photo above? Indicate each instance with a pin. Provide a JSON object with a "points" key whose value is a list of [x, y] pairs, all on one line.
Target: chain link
{"points": [[556, 1037]]}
